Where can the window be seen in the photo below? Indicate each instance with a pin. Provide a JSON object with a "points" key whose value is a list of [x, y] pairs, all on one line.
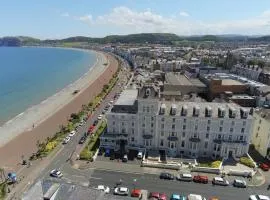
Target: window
{"points": [[161, 143], [152, 125], [173, 126], [122, 117], [162, 133], [207, 135], [209, 122], [113, 116], [169, 144], [148, 109], [162, 119], [244, 123], [230, 137], [257, 134], [233, 123], [132, 131], [241, 137], [204, 153], [152, 131], [221, 122], [172, 145], [231, 129], [143, 131], [196, 127], [219, 136], [185, 120], [162, 126], [143, 125], [123, 123], [260, 121], [242, 130], [218, 149], [183, 144], [132, 124], [173, 120], [184, 127], [173, 134], [132, 139], [206, 145], [208, 128], [123, 130], [183, 134], [220, 129], [152, 118], [113, 122], [113, 130]]}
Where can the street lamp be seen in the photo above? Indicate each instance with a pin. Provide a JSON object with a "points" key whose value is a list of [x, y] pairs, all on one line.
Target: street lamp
{"points": [[134, 183]]}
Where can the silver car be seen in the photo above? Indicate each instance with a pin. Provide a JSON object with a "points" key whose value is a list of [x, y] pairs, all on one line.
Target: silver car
{"points": [[123, 191], [220, 181]]}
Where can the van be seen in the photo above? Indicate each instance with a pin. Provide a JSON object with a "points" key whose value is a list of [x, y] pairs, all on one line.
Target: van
{"points": [[140, 155], [125, 158], [184, 177]]}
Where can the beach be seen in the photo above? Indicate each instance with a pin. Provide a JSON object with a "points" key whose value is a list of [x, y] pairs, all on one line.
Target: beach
{"points": [[19, 135]]}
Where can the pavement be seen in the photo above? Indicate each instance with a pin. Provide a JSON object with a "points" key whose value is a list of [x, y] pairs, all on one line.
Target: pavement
{"points": [[58, 159]]}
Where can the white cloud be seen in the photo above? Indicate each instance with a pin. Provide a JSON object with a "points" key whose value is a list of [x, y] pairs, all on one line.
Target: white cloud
{"points": [[65, 14], [125, 20], [184, 14]]}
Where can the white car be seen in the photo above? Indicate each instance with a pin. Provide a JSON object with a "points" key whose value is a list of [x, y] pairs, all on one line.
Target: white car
{"points": [[259, 197], [123, 191], [111, 102], [104, 188], [195, 197], [140, 155], [66, 140], [72, 133], [184, 177], [239, 183], [100, 117], [56, 173], [220, 181]]}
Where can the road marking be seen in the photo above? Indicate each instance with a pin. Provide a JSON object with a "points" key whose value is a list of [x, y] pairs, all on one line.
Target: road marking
{"points": [[97, 178]]}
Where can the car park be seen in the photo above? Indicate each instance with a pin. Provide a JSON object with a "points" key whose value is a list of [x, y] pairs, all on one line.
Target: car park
{"points": [[200, 179], [166, 176], [264, 167], [239, 183], [123, 191], [184, 177], [66, 140], [72, 133], [104, 188], [259, 197], [220, 181], [56, 173]]}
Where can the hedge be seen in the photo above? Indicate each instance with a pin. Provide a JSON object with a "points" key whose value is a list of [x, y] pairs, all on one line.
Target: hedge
{"points": [[247, 161], [216, 164]]}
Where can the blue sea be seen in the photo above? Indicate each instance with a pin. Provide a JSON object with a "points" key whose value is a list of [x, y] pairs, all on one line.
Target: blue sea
{"points": [[30, 75]]}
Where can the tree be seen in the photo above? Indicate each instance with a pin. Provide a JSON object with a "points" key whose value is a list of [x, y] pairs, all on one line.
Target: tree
{"points": [[74, 116]]}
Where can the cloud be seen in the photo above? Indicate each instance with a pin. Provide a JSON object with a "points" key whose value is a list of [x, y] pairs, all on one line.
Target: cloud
{"points": [[123, 20], [65, 14], [184, 14]]}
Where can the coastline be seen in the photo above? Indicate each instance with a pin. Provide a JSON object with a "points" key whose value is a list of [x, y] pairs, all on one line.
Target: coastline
{"points": [[53, 112], [38, 113]]}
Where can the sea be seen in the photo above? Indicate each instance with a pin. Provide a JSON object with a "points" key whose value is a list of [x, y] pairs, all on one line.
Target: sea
{"points": [[29, 75]]}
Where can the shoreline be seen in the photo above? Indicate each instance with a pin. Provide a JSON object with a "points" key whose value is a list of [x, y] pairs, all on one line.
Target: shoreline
{"points": [[25, 143], [38, 113]]}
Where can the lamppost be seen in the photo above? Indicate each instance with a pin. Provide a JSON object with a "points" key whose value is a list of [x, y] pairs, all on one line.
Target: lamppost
{"points": [[134, 183]]}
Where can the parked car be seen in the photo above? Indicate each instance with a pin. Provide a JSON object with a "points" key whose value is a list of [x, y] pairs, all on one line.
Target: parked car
{"points": [[72, 133], [220, 181], [184, 177], [104, 188], [162, 196], [195, 197], [95, 123], [239, 183], [100, 117], [140, 155], [123, 191], [259, 197], [154, 195], [82, 140], [264, 167], [200, 179], [125, 158], [112, 157], [136, 193], [166, 176], [177, 197], [56, 173], [66, 140]]}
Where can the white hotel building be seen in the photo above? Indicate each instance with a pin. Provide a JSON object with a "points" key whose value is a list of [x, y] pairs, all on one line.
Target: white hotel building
{"points": [[140, 120]]}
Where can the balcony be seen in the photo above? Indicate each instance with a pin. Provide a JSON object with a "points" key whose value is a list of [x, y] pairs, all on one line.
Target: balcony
{"points": [[194, 139], [172, 138], [219, 141], [147, 136]]}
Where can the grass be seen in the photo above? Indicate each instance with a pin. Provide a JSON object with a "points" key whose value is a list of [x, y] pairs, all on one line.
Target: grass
{"points": [[210, 164], [3, 190]]}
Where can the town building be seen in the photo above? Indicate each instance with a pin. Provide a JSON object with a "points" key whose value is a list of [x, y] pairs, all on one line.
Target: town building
{"points": [[250, 72], [140, 119], [261, 132]]}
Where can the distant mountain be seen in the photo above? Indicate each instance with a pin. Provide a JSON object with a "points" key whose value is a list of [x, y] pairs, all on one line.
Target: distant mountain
{"points": [[151, 38]]}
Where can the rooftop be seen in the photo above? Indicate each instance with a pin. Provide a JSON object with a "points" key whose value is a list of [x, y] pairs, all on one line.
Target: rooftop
{"points": [[128, 97], [231, 82], [180, 79]]}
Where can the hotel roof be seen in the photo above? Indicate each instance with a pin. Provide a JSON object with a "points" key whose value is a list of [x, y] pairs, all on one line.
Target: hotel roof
{"points": [[128, 97]]}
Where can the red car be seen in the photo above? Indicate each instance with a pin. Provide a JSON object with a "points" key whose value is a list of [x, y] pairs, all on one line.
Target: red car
{"points": [[264, 167], [162, 196], [154, 195], [200, 179], [136, 193]]}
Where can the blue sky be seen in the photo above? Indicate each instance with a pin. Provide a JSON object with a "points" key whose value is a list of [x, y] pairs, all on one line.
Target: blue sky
{"points": [[98, 18]]}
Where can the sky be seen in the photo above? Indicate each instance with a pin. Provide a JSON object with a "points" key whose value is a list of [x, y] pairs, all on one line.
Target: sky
{"points": [[51, 19]]}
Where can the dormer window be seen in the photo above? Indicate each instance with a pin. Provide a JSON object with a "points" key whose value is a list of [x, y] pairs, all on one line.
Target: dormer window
{"points": [[173, 109], [196, 111], [221, 112], [184, 110], [232, 113]]}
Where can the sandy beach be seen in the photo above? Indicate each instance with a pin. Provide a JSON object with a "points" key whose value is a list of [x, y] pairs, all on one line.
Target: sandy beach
{"points": [[18, 137]]}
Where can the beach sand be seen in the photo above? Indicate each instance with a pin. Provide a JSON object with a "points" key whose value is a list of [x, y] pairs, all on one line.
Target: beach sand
{"points": [[51, 113]]}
